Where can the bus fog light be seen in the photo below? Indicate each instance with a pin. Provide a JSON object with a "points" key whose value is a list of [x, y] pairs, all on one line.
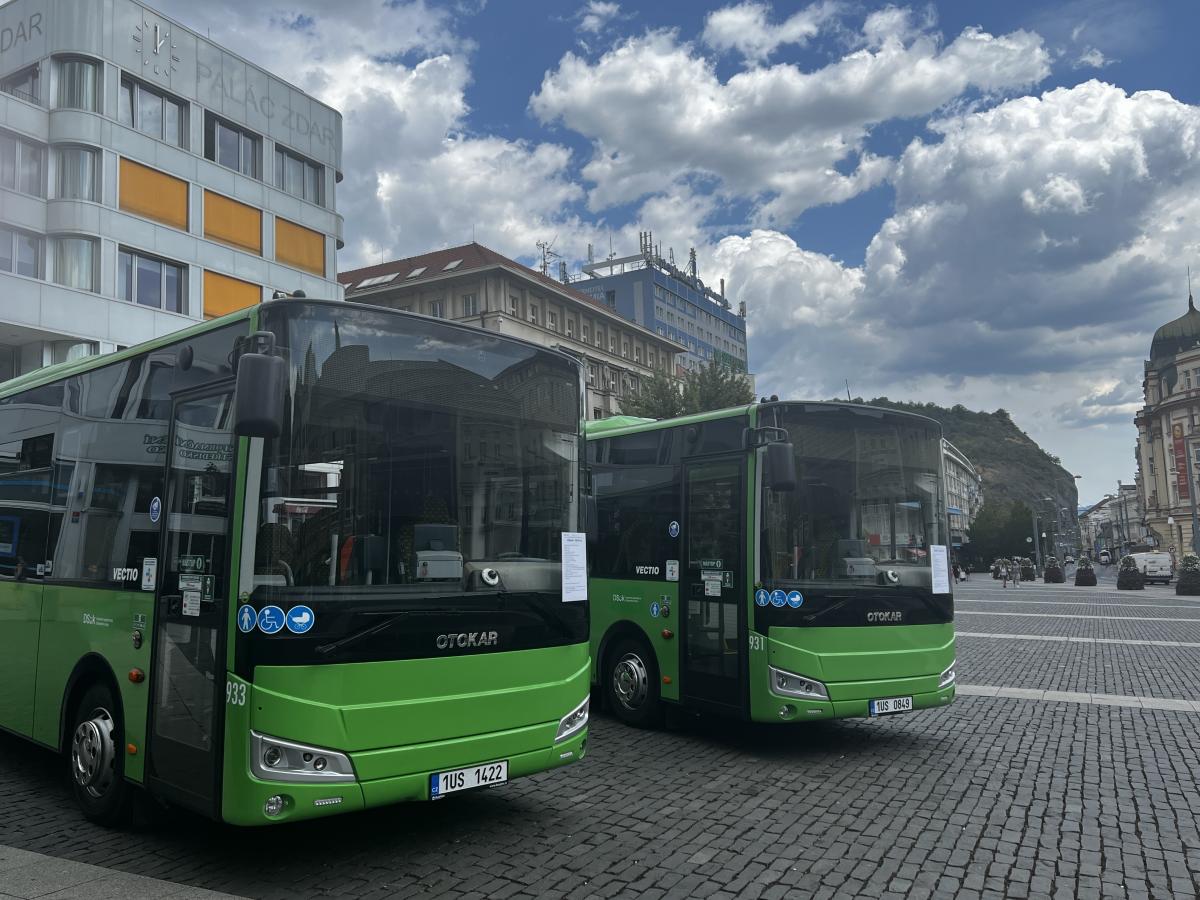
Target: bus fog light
{"points": [[574, 721], [273, 806], [789, 684], [274, 759], [947, 677], [787, 711]]}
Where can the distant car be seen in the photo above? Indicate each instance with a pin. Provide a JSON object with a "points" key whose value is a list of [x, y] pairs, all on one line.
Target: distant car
{"points": [[1069, 561], [1154, 566], [1104, 558]]}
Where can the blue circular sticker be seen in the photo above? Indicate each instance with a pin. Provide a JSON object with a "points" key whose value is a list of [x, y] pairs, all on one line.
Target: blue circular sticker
{"points": [[247, 618], [673, 529], [762, 597], [155, 510], [300, 619], [654, 607], [270, 619], [778, 598], [795, 599]]}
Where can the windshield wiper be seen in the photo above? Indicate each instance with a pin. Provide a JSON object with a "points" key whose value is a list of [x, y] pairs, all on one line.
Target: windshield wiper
{"points": [[356, 636]]}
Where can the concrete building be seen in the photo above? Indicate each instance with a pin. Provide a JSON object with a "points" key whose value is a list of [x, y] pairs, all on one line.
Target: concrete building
{"points": [[1168, 428], [672, 302], [149, 179], [479, 286], [964, 496], [1117, 524]]}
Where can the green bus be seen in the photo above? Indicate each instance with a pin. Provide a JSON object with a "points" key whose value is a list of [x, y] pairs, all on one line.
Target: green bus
{"points": [[302, 559], [782, 561]]}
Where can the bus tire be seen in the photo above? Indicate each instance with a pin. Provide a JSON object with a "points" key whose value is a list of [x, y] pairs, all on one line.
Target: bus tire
{"points": [[631, 686], [95, 758]]}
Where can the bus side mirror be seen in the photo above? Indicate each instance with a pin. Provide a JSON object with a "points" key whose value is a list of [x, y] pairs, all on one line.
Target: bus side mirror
{"points": [[258, 402], [781, 466]]}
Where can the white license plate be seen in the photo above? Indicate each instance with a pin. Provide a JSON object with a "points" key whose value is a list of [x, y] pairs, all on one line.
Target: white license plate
{"points": [[890, 705], [442, 783]]}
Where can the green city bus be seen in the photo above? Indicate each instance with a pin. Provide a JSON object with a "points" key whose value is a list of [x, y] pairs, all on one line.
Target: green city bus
{"points": [[302, 559], [782, 561]]}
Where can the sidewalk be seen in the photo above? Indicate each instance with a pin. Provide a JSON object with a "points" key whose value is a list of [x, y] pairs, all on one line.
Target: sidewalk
{"points": [[27, 875]]}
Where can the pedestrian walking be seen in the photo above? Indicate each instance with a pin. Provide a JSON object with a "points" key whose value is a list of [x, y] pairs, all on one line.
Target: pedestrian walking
{"points": [[1004, 572], [1016, 573]]}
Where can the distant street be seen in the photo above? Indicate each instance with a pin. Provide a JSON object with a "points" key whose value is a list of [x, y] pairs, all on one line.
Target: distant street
{"points": [[1067, 767]]}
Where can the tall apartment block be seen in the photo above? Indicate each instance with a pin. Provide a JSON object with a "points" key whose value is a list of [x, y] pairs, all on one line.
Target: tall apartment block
{"points": [[149, 179]]}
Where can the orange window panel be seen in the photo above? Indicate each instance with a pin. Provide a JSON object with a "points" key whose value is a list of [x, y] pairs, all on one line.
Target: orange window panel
{"points": [[232, 222], [153, 194], [223, 294], [299, 247]]}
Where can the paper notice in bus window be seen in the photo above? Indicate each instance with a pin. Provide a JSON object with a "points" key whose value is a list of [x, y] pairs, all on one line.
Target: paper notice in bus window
{"points": [[149, 573], [940, 561], [574, 566]]}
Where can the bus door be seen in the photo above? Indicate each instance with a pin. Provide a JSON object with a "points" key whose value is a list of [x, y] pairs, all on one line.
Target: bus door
{"points": [[712, 583], [185, 731]]}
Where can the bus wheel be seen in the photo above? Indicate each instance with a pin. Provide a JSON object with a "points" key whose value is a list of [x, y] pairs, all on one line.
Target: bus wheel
{"points": [[631, 684], [95, 760]]}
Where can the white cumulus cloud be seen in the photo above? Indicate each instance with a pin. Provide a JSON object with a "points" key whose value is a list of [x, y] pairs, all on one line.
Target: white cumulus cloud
{"points": [[746, 29]]}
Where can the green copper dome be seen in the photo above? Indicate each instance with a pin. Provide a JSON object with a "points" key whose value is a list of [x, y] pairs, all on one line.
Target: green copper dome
{"points": [[1177, 335]]}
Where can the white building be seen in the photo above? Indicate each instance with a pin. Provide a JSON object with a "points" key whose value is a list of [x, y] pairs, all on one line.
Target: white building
{"points": [[149, 179], [964, 495]]}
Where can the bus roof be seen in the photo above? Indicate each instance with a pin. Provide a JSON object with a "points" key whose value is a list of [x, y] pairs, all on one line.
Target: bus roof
{"points": [[49, 374], [620, 425]]}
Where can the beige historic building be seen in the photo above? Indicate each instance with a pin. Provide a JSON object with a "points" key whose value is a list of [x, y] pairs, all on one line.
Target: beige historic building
{"points": [[1169, 431], [478, 286]]}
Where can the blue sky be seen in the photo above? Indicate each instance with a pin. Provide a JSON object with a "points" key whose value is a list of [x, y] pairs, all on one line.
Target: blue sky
{"points": [[981, 203]]}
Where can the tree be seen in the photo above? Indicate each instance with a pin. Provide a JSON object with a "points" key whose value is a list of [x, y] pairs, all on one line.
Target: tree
{"points": [[712, 386]]}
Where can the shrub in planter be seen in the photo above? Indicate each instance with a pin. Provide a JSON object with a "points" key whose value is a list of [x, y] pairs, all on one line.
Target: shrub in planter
{"points": [[1085, 574], [1028, 572], [1129, 578], [1188, 584], [1053, 573]]}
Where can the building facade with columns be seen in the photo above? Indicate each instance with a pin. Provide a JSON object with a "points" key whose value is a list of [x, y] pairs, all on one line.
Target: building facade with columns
{"points": [[149, 179], [477, 286], [1168, 432]]}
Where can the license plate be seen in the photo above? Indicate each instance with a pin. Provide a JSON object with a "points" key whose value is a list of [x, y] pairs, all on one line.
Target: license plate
{"points": [[890, 705], [442, 783]]}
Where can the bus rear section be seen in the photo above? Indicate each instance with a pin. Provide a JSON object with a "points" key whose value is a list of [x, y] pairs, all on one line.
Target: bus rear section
{"points": [[853, 594], [777, 562]]}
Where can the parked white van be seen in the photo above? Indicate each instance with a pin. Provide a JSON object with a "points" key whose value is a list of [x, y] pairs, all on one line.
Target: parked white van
{"points": [[1155, 566]]}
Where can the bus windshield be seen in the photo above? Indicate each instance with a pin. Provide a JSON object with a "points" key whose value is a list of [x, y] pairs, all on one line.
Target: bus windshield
{"points": [[866, 506], [417, 457]]}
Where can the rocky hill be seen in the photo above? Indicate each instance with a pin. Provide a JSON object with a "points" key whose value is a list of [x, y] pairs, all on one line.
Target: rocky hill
{"points": [[1011, 463]]}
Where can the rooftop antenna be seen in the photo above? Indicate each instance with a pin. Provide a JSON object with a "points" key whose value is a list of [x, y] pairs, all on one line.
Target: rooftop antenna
{"points": [[1191, 305], [848, 400], [548, 254]]}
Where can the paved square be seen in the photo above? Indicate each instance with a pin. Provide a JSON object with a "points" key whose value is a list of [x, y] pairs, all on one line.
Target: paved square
{"points": [[1066, 768]]}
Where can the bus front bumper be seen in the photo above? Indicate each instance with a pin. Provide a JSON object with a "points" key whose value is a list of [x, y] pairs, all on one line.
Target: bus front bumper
{"points": [[793, 709], [262, 802]]}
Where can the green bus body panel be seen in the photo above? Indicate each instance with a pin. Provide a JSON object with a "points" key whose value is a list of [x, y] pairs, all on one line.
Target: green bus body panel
{"points": [[401, 720], [20, 629], [617, 604]]}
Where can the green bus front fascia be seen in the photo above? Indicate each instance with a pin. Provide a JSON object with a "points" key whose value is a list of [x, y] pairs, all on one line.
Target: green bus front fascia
{"points": [[856, 664], [511, 702]]}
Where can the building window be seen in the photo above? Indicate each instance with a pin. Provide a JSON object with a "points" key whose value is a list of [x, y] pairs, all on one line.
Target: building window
{"points": [[76, 173], [637, 353], [612, 344], [24, 84], [593, 374], [19, 252], [587, 332], [435, 308], [470, 305], [75, 263], [570, 323], [150, 281], [533, 313], [513, 302], [232, 147], [298, 176], [21, 165], [78, 81], [152, 112], [625, 349], [552, 320], [597, 413]]}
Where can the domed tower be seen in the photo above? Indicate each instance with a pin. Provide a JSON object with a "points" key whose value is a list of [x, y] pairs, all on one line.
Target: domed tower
{"points": [[1169, 431]]}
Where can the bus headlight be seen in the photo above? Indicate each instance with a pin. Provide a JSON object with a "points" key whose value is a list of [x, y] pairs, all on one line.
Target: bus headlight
{"points": [[574, 721], [274, 759], [790, 684], [947, 677]]}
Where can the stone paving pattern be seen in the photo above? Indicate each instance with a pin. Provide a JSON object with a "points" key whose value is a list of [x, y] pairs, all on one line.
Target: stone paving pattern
{"points": [[991, 797]]}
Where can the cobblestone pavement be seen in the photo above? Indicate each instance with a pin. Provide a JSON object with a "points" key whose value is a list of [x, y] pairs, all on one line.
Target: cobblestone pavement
{"points": [[994, 796]]}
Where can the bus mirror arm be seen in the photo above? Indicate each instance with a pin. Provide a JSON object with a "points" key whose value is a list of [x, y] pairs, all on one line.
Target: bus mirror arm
{"points": [[258, 402]]}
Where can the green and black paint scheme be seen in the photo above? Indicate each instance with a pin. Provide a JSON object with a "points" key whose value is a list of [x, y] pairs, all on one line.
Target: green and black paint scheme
{"points": [[695, 516], [406, 479]]}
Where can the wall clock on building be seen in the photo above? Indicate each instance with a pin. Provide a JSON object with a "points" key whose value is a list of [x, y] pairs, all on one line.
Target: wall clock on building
{"points": [[154, 42]]}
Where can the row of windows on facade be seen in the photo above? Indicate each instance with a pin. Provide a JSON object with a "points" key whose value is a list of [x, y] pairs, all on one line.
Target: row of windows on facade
{"points": [[714, 323], [163, 116], [676, 330], [470, 308]]}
